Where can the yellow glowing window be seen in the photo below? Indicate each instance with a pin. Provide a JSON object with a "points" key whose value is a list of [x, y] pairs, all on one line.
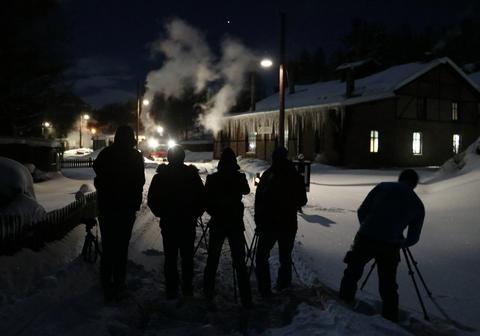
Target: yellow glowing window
{"points": [[454, 111], [456, 143], [417, 143], [373, 141]]}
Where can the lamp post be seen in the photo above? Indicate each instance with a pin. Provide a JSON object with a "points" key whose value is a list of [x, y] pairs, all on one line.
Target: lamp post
{"points": [[281, 83], [45, 125], [82, 117], [140, 102], [264, 63]]}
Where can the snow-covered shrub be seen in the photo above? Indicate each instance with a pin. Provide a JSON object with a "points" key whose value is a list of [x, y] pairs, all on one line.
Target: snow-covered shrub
{"points": [[15, 179], [17, 196]]}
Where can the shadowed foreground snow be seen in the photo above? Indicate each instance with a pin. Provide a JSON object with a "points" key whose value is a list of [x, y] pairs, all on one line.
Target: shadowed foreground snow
{"points": [[54, 292]]}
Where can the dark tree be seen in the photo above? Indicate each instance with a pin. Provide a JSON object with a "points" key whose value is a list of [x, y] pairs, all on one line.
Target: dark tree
{"points": [[178, 115], [32, 35], [110, 116]]}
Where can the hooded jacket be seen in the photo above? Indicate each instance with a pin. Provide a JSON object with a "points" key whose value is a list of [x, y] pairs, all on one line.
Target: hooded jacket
{"points": [[224, 191], [176, 194], [120, 176], [388, 210], [280, 194]]}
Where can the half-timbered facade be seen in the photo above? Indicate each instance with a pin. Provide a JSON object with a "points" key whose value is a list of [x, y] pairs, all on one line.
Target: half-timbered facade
{"points": [[415, 114]]}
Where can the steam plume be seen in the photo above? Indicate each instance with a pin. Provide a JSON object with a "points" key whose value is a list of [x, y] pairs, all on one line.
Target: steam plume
{"points": [[189, 63]]}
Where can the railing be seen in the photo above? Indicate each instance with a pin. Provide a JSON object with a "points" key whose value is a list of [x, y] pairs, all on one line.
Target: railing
{"points": [[77, 163], [16, 233]]}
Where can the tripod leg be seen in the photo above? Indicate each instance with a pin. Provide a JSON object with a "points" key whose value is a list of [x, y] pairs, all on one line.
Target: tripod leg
{"points": [[199, 241], [249, 249], [204, 230], [295, 271], [234, 283], [254, 251], [412, 274], [368, 275], [414, 262]]}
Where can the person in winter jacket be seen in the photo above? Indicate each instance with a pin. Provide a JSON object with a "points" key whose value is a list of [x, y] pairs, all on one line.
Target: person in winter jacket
{"points": [[386, 212], [224, 191], [280, 194], [120, 176], [177, 195]]}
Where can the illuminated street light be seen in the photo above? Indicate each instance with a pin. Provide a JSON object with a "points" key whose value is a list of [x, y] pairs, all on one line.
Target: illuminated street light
{"points": [[93, 131], [146, 102], [82, 117], [47, 125], [153, 143], [160, 130], [171, 143], [266, 63]]}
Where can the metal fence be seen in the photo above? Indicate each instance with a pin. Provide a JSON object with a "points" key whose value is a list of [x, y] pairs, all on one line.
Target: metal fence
{"points": [[77, 163], [16, 233]]}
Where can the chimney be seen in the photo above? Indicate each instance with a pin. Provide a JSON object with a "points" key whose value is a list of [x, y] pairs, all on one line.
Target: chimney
{"points": [[350, 82]]}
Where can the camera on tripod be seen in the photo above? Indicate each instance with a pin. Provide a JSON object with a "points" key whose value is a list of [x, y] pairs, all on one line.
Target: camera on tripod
{"points": [[90, 250]]}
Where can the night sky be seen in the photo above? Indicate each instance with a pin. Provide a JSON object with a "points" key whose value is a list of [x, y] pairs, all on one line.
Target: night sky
{"points": [[110, 41]]}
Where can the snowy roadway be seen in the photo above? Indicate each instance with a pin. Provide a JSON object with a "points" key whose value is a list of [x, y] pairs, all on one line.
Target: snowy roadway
{"points": [[54, 292]]}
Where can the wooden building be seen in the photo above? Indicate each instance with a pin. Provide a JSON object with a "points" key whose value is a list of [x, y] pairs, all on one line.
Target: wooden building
{"points": [[416, 114]]}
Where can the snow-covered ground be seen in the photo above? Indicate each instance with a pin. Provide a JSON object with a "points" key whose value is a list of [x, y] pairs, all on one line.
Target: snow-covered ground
{"points": [[55, 292]]}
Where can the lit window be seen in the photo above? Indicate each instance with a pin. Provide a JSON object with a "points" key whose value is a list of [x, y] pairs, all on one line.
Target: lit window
{"points": [[373, 141], [454, 111], [456, 143], [252, 142], [417, 143]]}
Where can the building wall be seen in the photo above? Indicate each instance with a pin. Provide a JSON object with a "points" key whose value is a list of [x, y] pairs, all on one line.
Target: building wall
{"points": [[360, 120], [423, 106], [343, 135]]}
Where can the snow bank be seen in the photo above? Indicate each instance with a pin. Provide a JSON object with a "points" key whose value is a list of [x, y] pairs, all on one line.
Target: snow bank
{"points": [[15, 179]]}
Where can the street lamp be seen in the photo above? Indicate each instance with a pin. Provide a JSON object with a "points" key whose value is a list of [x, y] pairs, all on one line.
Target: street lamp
{"points": [[82, 117], [140, 102], [264, 63], [45, 125], [281, 83]]}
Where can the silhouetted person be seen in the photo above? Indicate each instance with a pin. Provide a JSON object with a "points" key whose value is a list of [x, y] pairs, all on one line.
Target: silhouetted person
{"points": [[120, 176], [225, 189], [280, 194], [386, 212], [177, 196]]}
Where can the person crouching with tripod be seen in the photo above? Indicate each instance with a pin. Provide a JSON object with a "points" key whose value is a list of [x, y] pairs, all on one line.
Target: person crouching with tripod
{"points": [[386, 212]]}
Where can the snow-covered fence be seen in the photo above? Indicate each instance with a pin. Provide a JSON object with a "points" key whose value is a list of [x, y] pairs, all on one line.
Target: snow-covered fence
{"points": [[77, 163], [15, 233]]}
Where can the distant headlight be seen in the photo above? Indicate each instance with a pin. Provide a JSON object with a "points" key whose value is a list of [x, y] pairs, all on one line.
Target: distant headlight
{"points": [[153, 143], [171, 143]]}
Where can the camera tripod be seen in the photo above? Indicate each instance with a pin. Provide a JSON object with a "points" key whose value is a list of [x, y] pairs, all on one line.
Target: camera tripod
{"points": [[204, 234], [409, 260], [90, 249], [251, 252]]}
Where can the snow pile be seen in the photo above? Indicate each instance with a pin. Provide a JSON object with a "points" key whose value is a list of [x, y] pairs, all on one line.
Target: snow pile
{"points": [[17, 196], [77, 153], [460, 169]]}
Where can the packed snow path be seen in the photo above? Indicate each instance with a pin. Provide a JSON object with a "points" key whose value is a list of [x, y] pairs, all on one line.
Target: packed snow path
{"points": [[55, 292]]}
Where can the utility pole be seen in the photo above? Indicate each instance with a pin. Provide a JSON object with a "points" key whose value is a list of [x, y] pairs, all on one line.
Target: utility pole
{"points": [[281, 83], [81, 121], [139, 110]]}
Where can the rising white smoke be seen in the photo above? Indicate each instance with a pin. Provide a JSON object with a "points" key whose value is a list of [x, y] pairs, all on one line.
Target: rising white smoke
{"points": [[189, 63]]}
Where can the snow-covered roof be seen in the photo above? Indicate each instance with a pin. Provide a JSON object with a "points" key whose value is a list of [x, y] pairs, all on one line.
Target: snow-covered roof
{"points": [[374, 87], [353, 65], [475, 77], [34, 142]]}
